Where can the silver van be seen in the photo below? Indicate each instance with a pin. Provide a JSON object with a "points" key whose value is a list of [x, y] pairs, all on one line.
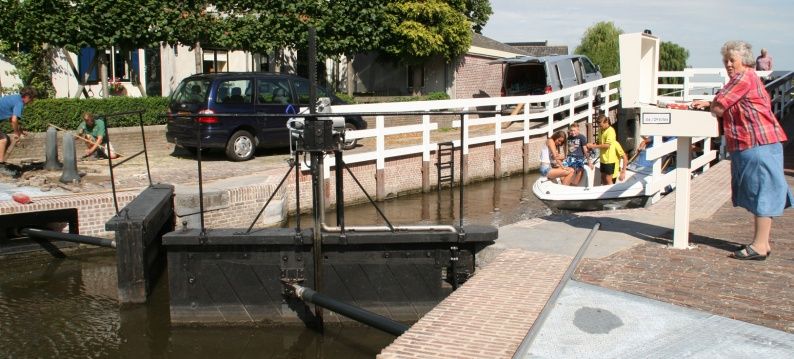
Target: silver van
{"points": [[530, 75]]}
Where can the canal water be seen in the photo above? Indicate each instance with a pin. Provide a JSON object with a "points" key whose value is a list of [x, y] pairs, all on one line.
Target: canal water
{"points": [[68, 307]]}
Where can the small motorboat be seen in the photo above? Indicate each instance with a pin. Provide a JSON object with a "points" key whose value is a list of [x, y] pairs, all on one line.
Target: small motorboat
{"points": [[629, 193]]}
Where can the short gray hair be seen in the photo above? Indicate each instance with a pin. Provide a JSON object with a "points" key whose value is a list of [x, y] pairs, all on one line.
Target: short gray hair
{"points": [[741, 48]]}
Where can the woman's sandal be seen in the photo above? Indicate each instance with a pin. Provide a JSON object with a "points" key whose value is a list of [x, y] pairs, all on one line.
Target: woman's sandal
{"points": [[751, 254], [744, 246]]}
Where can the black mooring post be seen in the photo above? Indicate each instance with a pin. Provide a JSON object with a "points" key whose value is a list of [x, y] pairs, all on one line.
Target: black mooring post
{"points": [[340, 195]]}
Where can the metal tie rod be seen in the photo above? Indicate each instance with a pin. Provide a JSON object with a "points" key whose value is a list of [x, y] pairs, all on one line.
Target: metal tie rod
{"points": [[68, 237], [360, 315], [523, 349]]}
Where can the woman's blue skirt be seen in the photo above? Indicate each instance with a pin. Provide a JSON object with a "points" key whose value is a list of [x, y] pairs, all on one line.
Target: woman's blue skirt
{"points": [[758, 182]]}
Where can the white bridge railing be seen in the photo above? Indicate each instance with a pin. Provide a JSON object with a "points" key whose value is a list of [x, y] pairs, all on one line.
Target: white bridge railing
{"points": [[539, 116], [696, 84]]}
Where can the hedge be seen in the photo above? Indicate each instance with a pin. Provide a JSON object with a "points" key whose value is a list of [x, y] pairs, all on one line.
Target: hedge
{"points": [[67, 112]]}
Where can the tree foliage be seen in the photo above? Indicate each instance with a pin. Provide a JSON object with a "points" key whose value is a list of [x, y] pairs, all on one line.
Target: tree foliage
{"points": [[420, 29], [32, 66], [352, 26], [478, 12], [410, 31], [672, 57], [600, 44]]}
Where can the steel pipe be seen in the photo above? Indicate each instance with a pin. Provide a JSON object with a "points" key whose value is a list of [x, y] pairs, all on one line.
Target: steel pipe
{"points": [[360, 315], [68, 237], [523, 348]]}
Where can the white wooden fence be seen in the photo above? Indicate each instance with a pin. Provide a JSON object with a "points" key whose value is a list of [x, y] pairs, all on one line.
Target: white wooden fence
{"points": [[537, 118]]}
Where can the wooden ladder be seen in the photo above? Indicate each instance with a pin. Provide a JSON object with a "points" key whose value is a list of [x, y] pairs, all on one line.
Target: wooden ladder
{"points": [[445, 164]]}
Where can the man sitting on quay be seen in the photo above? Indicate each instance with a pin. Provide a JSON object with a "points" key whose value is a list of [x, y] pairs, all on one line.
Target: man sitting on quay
{"points": [[95, 132]]}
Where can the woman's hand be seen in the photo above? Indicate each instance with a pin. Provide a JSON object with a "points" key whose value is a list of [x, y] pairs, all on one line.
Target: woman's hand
{"points": [[701, 104], [622, 175]]}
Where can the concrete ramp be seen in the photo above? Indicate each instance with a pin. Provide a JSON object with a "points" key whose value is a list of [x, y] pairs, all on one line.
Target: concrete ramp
{"points": [[488, 316]]}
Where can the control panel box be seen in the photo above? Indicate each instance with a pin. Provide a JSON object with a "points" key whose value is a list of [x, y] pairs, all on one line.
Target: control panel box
{"points": [[639, 65], [657, 121]]}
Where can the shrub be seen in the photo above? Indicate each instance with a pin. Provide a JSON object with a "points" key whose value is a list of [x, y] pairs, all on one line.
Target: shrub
{"points": [[67, 112], [345, 97], [438, 95]]}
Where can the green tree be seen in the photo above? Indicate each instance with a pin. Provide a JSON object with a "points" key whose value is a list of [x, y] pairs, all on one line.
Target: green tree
{"points": [[418, 30], [407, 30], [348, 27], [31, 60], [41, 25], [672, 57], [600, 44], [478, 12]]}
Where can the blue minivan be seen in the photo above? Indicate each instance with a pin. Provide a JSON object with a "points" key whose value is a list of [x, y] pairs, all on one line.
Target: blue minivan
{"points": [[246, 99]]}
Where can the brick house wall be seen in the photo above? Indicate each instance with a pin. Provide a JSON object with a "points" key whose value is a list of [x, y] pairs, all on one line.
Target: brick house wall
{"points": [[475, 78]]}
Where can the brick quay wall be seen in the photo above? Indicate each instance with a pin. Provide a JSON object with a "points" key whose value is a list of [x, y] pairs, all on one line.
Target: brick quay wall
{"points": [[232, 202]]}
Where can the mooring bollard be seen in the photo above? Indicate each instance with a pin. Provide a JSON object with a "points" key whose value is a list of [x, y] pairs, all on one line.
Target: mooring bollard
{"points": [[69, 174], [51, 151]]}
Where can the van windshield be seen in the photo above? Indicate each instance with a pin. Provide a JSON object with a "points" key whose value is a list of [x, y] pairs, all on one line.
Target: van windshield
{"points": [[192, 91], [525, 79]]}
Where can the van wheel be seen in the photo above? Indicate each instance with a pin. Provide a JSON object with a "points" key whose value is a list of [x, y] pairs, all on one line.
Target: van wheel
{"points": [[350, 144], [241, 146]]}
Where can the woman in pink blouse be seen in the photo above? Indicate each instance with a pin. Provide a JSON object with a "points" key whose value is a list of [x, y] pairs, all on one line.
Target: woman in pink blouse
{"points": [[753, 137]]}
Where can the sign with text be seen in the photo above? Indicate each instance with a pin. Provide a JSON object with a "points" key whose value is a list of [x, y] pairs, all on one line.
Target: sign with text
{"points": [[656, 118]]}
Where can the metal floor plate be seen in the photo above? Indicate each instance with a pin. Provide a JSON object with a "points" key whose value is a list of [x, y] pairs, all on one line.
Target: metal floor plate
{"points": [[593, 322]]}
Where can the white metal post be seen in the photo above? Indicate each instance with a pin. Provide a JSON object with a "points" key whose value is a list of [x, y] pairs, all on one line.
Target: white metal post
{"points": [[380, 142], [425, 137], [682, 176]]}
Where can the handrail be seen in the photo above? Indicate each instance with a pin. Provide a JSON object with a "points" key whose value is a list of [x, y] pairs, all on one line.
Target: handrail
{"points": [[144, 151], [780, 90], [541, 115]]}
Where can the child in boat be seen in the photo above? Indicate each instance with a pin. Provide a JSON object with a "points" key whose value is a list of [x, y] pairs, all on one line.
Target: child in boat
{"points": [[551, 165], [577, 153], [611, 153]]}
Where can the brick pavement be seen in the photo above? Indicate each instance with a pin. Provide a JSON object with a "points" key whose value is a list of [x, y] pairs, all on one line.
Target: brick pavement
{"points": [[704, 277], [489, 315]]}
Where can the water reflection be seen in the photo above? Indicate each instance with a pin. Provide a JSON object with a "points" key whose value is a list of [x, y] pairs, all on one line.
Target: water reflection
{"points": [[501, 202], [69, 308]]}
